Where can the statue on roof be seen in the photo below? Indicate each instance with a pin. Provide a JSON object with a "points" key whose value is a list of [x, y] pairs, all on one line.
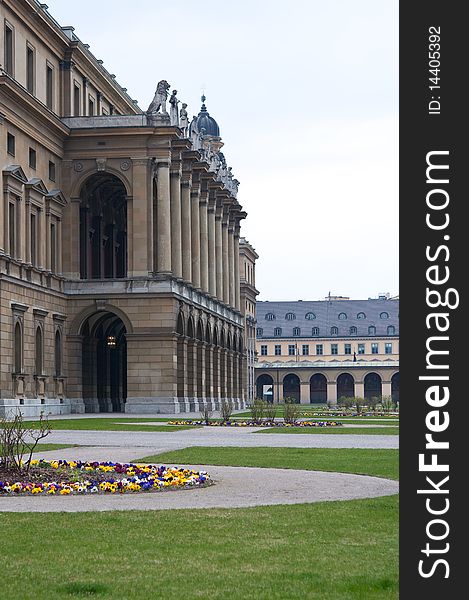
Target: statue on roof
{"points": [[159, 100], [184, 120], [173, 109]]}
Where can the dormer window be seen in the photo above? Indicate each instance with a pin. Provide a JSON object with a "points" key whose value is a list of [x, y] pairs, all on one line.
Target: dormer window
{"points": [[342, 317], [278, 331], [334, 330], [269, 317], [371, 330], [315, 331], [353, 330], [296, 331], [290, 316], [310, 316], [384, 315], [361, 315]]}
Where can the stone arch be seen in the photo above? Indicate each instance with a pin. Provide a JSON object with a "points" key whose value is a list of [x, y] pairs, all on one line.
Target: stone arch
{"points": [[291, 387], [58, 353], [77, 185], [180, 327], [76, 326], [373, 385], [345, 386], [180, 355], [38, 349], [318, 388], [265, 387]]}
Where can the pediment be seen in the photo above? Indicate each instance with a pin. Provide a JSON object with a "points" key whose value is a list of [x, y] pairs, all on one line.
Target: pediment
{"points": [[15, 171], [38, 185], [57, 196]]}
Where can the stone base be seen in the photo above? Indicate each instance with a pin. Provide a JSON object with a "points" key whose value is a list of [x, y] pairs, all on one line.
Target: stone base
{"points": [[33, 407], [176, 405]]}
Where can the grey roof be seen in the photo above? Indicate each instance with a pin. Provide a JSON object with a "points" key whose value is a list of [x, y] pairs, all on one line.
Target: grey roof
{"points": [[326, 316]]}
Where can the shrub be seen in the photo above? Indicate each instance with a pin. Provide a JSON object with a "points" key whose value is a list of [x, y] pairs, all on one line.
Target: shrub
{"points": [[358, 403], [226, 408], [373, 403], [346, 401], [206, 414], [270, 412], [18, 441], [257, 409], [290, 411], [387, 403]]}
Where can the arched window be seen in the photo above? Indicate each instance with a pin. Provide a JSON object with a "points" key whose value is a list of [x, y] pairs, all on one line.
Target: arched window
{"points": [[38, 365], [342, 317], [58, 354], [361, 315], [391, 330], [296, 331], [18, 348], [269, 317], [290, 316], [278, 331], [371, 330], [310, 316], [353, 330], [334, 330], [384, 315], [315, 331], [260, 332]]}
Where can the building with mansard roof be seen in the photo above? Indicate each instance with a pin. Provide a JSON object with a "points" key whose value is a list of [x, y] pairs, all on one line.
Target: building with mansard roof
{"points": [[121, 282], [319, 351]]}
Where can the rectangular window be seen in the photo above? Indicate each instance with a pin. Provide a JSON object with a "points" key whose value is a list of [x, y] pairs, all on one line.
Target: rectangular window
{"points": [[319, 349], [30, 69], [12, 228], [76, 100], [53, 249], [374, 348], [361, 348], [11, 144], [51, 170], [263, 350], [49, 87], [291, 349], [90, 107], [347, 348], [388, 348], [8, 49], [278, 350], [334, 349], [305, 350], [32, 158], [33, 239]]}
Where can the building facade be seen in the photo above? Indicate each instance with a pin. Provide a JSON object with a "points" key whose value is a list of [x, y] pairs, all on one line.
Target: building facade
{"points": [[317, 352], [119, 238], [247, 277]]}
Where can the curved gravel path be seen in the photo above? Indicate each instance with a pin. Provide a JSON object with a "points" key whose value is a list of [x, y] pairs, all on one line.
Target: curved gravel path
{"points": [[234, 487]]}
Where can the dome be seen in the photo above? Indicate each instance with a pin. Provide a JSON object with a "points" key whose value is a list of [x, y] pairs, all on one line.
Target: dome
{"points": [[205, 121]]}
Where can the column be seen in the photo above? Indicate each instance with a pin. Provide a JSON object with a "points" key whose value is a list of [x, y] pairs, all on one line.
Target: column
{"points": [[163, 212], [99, 100], [236, 268], [209, 371], [176, 225], [195, 235], [140, 219], [385, 388], [186, 227], [85, 111], [42, 236], [332, 391], [226, 262], [203, 242], [58, 252], [21, 233], [212, 283], [231, 263], [219, 254], [216, 372], [304, 392], [359, 389]]}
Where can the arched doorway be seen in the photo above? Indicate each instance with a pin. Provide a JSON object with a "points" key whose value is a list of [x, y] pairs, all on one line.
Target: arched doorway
{"points": [[318, 388], [265, 387], [373, 387], [345, 386], [104, 373], [103, 227], [395, 387], [291, 387]]}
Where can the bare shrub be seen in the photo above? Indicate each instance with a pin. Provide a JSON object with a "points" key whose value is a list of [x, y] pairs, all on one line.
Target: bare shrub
{"points": [[359, 403], [387, 404], [346, 401], [257, 410], [373, 403], [206, 414], [226, 408], [291, 411], [18, 441], [270, 412]]}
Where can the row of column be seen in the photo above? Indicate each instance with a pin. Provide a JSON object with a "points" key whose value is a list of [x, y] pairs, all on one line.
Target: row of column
{"points": [[208, 371], [197, 231]]}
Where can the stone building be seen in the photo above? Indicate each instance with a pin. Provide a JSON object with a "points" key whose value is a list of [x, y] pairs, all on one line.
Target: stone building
{"points": [[319, 351], [119, 238], [247, 274]]}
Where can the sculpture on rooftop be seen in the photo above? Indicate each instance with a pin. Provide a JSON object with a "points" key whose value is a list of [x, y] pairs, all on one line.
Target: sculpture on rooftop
{"points": [[173, 109], [159, 100], [184, 120]]}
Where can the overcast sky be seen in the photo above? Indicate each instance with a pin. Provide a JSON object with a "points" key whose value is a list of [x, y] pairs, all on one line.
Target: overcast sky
{"points": [[306, 96]]}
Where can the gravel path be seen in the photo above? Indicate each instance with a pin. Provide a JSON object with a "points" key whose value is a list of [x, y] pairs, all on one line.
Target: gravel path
{"points": [[234, 487]]}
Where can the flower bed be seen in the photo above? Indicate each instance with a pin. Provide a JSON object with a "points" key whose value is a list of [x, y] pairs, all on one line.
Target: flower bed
{"points": [[258, 423], [344, 413], [61, 477]]}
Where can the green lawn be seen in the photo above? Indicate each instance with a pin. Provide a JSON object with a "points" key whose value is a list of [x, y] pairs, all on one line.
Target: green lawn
{"points": [[45, 447], [381, 463], [107, 424], [324, 551], [336, 430]]}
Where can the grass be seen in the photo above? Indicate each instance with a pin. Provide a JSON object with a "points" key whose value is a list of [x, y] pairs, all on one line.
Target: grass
{"points": [[323, 551], [107, 424], [363, 461], [334, 430], [312, 413], [45, 447]]}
